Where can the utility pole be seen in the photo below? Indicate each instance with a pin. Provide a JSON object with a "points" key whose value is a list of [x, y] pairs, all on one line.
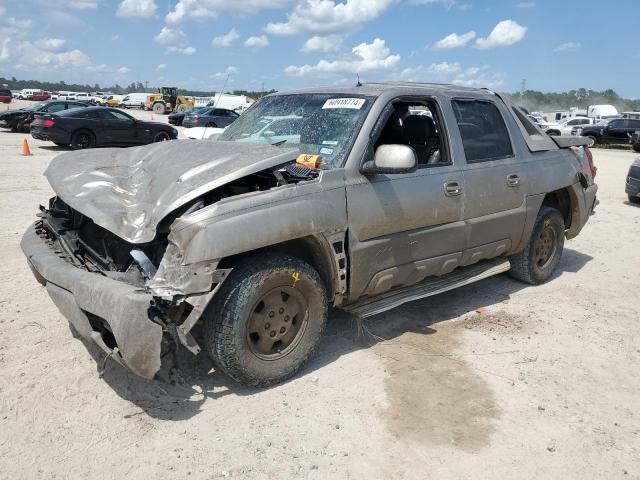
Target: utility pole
{"points": [[262, 89], [523, 86]]}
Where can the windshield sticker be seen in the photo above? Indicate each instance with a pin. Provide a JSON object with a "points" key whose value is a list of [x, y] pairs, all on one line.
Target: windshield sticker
{"points": [[309, 161], [351, 103], [329, 142], [326, 151]]}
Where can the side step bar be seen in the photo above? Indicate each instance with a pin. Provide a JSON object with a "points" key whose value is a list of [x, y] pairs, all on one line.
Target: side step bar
{"points": [[431, 286]]}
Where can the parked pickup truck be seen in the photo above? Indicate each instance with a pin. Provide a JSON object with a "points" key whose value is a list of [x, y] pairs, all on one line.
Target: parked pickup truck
{"points": [[362, 198]]}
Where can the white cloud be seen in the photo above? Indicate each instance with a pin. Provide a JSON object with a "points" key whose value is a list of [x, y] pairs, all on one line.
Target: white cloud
{"points": [[526, 5], [445, 3], [204, 9], [327, 16], [123, 70], [366, 57], [257, 42], [170, 36], [226, 40], [161, 66], [505, 33], [115, 38], [137, 9], [230, 70], [188, 50], [175, 40], [10, 26], [454, 73], [80, 4], [454, 40], [50, 44], [568, 46], [26, 56], [319, 43]]}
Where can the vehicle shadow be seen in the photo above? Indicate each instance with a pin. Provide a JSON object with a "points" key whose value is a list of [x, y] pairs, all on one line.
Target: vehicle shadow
{"points": [[633, 204], [55, 148], [188, 381]]}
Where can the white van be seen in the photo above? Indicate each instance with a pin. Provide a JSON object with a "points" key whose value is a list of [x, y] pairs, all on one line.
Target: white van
{"points": [[82, 96], [135, 100], [27, 93]]}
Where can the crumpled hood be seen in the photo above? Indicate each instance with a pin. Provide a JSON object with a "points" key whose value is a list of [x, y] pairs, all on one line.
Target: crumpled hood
{"points": [[129, 191]]}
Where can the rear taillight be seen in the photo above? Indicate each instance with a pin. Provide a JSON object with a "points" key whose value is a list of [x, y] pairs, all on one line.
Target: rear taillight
{"points": [[593, 168], [196, 117], [48, 122]]}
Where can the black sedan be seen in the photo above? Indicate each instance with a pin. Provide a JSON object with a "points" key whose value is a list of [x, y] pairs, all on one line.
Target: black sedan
{"points": [[632, 186], [19, 120], [635, 141], [99, 127], [176, 118], [210, 117]]}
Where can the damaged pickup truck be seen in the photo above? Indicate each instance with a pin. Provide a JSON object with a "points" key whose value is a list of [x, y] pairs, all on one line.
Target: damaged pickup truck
{"points": [[362, 198]]}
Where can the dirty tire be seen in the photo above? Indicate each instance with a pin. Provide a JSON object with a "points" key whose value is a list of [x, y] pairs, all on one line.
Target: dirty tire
{"points": [[593, 139], [182, 108], [231, 317], [541, 256], [161, 136], [159, 108], [633, 199], [636, 147], [83, 139]]}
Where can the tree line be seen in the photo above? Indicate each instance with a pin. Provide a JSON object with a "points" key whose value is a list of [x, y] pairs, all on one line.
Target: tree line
{"points": [[533, 100], [134, 87]]}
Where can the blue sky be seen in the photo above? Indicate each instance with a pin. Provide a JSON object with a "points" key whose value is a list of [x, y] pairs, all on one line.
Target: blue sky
{"points": [[554, 45]]}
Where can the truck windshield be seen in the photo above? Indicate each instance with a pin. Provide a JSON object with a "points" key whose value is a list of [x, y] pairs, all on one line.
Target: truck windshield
{"points": [[316, 124]]}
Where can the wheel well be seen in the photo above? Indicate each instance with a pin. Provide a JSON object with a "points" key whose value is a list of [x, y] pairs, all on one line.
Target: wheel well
{"points": [[561, 201], [312, 250]]}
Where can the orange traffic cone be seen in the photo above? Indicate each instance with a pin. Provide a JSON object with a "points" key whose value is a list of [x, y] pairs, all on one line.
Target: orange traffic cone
{"points": [[25, 148]]}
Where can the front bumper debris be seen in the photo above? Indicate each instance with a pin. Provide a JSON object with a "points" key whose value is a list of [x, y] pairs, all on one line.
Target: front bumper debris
{"points": [[115, 315]]}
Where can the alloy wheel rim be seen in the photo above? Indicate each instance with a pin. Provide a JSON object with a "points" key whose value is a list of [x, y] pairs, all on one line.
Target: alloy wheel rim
{"points": [[545, 247], [277, 323]]}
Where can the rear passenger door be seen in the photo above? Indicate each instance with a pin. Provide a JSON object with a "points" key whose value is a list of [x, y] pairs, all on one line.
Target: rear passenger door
{"points": [[495, 200]]}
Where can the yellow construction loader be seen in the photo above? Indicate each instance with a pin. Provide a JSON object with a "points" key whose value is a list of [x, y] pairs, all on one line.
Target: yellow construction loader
{"points": [[167, 101]]}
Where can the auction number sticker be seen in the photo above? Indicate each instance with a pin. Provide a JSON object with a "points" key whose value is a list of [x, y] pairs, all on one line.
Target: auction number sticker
{"points": [[352, 103]]}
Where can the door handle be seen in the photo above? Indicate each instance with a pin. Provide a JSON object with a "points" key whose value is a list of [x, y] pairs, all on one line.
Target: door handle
{"points": [[451, 189], [513, 180]]}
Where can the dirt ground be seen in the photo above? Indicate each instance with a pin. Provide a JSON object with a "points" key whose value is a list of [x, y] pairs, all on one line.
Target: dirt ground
{"points": [[544, 383]]}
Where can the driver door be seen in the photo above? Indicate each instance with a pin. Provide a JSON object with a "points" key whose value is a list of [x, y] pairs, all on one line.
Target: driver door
{"points": [[405, 227], [117, 128]]}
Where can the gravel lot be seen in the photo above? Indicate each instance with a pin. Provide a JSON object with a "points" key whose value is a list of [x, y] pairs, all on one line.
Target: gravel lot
{"points": [[544, 383]]}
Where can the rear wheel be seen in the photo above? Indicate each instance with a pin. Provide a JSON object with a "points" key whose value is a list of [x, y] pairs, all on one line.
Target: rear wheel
{"points": [[593, 140], [636, 147], [182, 108], [541, 256], [161, 136], [553, 133], [211, 125], [633, 199], [83, 139], [159, 108], [267, 319]]}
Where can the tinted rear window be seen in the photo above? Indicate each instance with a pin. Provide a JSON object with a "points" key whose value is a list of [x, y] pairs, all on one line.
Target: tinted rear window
{"points": [[484, 133]]}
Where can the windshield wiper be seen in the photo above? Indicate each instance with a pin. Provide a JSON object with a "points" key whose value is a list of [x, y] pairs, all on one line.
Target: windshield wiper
{"points": [[277, 144]]}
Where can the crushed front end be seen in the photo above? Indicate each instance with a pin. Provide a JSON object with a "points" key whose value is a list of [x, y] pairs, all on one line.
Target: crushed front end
{"points": [[100, 283]]}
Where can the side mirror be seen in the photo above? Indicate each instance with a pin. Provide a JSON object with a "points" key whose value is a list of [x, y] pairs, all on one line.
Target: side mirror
{"points": [[390, 159]]}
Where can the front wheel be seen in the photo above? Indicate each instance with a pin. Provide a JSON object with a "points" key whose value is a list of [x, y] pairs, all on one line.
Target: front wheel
{"points": [[633, 199], [267, 319], [636, 147], [182, 108], [161, 137], [593, 140], [159, 108], [82, 139], [536, 263]]}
